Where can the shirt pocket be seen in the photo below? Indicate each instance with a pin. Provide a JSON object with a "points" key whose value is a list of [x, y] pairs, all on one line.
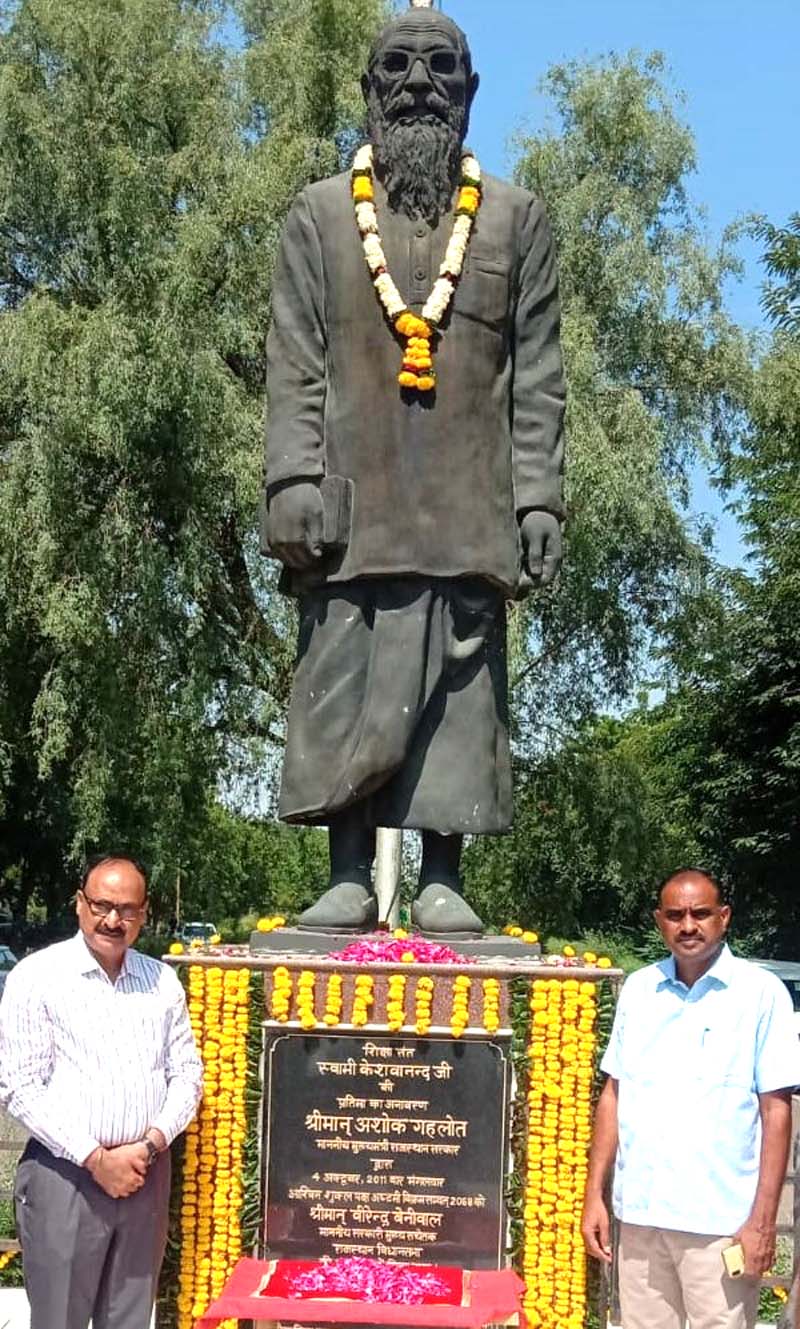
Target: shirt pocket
{"points": [[483, 291], [725, 1058]]}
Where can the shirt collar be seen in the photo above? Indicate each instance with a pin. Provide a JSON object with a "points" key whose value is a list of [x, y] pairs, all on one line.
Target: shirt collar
{"points": [[87, 963], [720, 971]]}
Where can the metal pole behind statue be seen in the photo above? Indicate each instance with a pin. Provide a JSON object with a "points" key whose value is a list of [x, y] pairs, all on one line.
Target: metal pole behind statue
{"points": [[388, 852]]}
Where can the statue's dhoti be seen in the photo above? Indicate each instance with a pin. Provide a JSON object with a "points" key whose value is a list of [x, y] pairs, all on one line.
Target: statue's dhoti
{"points": [[399, 703]]}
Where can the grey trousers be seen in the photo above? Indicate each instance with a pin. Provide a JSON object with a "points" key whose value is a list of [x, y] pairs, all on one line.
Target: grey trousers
{"points": [[86, 1256]]}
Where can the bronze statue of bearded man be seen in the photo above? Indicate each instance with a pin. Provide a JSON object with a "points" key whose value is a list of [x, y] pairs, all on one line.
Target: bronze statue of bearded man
{"points": [[413, 476]]}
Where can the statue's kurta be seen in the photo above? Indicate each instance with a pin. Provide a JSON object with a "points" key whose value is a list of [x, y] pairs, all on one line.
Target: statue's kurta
{"points": [[440, 486]]}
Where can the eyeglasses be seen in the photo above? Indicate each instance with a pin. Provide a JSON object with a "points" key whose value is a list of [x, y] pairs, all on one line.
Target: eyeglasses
{"points": [[699, 915], [436, 62], [126, 913]]}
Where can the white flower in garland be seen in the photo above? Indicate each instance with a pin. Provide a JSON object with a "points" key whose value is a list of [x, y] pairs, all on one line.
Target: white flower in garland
{"points": [[367, 218], [373, 252], [417, 371]]}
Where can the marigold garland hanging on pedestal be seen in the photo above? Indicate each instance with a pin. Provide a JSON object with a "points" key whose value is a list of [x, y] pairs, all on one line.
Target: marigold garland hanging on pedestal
{"points": [[561, 1065], [211, 1236], [561, 1045]]}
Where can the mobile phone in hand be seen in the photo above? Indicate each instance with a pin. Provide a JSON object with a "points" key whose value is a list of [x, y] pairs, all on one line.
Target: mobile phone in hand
{"points": [[733, 1259]]}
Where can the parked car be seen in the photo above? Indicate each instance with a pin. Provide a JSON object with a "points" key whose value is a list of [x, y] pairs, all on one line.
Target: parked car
{"points": [[7, 961], [788, 971], [196, 932]]}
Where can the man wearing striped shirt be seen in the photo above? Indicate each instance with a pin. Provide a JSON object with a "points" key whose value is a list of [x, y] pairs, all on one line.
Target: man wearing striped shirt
{"points": [[98, 1061]]}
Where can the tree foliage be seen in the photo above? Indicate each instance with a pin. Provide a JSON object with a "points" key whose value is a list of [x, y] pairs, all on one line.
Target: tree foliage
{"points": [[657, 374], [781, 297], [145, 170], [148, 154], [592, 835], [743, 706], [711, 775]]}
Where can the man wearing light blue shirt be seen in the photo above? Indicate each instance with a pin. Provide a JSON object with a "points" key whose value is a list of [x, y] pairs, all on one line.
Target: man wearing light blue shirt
{"points": [[697, 1112]]}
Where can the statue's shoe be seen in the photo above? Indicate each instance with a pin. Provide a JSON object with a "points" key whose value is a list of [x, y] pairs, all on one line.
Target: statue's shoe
{"points": [[346, 907], [441, 911]]}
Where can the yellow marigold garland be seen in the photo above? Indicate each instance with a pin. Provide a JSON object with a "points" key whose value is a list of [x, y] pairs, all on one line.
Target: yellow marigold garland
{"points": [[305, 999], [281, 1000], [395, 1002], [333, 1000], [363, 999], [561, 1057], [6, 1257], [270, 924], [211, 1201], [423, 1005], [459, 1018], [491, 1005]]}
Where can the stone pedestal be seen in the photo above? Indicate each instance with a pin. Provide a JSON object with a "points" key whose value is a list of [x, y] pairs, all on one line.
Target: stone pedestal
{"points": [[373, 1109]]}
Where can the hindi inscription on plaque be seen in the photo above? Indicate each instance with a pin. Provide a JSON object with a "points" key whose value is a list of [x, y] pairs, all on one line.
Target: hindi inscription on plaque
{"points": [[389, 1147]]}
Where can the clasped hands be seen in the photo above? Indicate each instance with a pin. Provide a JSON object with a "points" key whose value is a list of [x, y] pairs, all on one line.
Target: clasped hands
{"points": [[121, 1170], [296, 524]]}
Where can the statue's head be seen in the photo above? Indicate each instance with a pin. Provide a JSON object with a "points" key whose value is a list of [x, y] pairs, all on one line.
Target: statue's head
{"points": [[419, 87]]}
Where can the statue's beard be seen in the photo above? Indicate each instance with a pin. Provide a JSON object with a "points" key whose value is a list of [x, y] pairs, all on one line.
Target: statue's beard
{"points": [[418, 160]]}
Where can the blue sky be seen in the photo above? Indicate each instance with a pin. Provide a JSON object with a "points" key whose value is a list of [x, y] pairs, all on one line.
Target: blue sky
{"points": [[737, 65]]}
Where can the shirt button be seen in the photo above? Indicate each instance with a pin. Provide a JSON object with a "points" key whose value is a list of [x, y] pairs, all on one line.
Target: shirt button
{"points": [[419, 274], [420, 232]]}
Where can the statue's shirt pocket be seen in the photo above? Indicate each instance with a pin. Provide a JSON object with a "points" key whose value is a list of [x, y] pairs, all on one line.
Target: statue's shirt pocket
{"points": [[483, 292]]}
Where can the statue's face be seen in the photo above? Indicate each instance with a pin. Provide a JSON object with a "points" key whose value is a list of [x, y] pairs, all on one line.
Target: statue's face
{"points": [[419, 72], [418, 91]]}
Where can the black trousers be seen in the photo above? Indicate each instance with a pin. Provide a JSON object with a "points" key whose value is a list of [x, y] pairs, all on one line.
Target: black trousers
{"points": [[85, 1255]]}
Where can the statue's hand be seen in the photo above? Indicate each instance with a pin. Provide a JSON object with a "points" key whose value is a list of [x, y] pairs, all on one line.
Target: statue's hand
{"points": [[541, 545], [295, 524]]}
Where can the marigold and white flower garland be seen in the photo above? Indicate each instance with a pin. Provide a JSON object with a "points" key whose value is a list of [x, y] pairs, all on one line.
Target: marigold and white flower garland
{"points": [[417, 370]]}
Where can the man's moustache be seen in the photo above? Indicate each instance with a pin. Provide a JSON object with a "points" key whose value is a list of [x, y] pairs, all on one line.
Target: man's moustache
{"points": [[409, 106]]}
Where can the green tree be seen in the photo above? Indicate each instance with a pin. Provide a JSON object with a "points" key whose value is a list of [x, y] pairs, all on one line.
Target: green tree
{"points": [[782, 261], [742, 706], [600, 821], [711, 775], [145, 171], [236, 865], [657, 377]]}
